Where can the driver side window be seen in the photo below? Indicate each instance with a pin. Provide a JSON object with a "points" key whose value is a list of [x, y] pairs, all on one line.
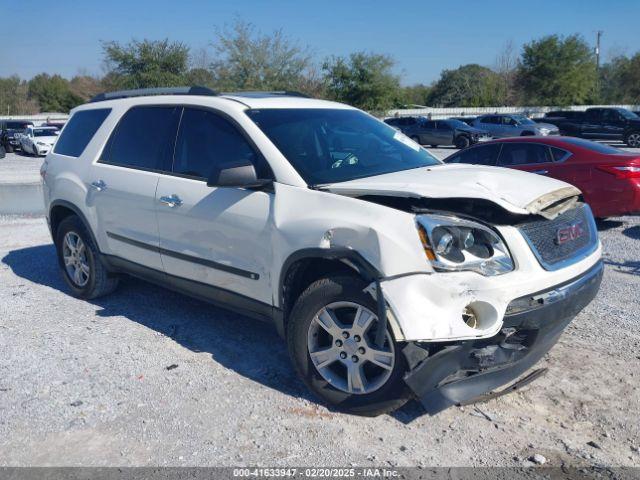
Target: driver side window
{"points": [[205, 141]]}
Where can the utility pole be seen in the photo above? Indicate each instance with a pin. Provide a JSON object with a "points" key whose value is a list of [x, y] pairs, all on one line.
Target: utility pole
{"points": [[598, 92], [598, 35]]}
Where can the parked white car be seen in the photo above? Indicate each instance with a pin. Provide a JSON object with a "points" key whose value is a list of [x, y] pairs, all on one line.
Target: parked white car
{"points": [[38, 140], [389, 273]]}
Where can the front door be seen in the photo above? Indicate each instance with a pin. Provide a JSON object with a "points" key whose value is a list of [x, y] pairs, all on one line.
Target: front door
{"points": [[218, 236], [122, 184]]}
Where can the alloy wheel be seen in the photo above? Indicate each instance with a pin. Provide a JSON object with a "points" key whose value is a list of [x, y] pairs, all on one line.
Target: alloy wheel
{"points": [[341, 345], [634, 140], [74, 254]]}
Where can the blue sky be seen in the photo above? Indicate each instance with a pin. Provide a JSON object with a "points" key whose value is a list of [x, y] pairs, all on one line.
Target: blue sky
{"points": [[63, 36]]}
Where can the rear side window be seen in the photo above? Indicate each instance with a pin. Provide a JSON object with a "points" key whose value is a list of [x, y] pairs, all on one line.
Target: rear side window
{"points": [[558, 154], [492, 120], [484, 155], [144, 139], [79, 131], [206, 140]]}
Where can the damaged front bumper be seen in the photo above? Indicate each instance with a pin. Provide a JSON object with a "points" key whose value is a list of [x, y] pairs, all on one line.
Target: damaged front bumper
{"points": [[446, 374]]}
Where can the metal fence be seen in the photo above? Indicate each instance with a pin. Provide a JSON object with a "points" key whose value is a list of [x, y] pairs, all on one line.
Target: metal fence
{"points": [[437, 113], [431, 112], [38, 119]]}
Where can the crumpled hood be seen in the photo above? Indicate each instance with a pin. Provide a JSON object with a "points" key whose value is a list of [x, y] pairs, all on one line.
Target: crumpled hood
{"points": [[514, 190]]}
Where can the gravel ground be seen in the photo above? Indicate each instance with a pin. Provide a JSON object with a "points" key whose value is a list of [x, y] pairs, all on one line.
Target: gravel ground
{"points": [[19, 167], [149, 377]]}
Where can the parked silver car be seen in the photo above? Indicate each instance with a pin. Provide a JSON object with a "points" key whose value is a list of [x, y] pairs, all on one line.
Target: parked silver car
{"points": [[504, 125]]}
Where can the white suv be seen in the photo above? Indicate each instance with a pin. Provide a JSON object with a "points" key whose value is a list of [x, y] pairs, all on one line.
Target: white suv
{"points": [[390, 274]]}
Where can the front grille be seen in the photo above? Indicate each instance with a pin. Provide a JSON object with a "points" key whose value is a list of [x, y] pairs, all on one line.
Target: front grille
{"points": [[563, 240]]}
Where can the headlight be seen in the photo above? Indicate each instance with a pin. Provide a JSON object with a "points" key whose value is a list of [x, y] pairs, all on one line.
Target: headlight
{"points": [[453, 244], [41, 144], [544, 131]]}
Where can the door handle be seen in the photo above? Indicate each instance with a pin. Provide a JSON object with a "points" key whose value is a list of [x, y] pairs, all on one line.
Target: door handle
{"points": [[540, 172], [98, 185], [171, 201]]}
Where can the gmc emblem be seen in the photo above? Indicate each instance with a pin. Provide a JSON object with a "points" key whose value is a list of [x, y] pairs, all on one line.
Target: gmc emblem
{"points": [[569, 233]]}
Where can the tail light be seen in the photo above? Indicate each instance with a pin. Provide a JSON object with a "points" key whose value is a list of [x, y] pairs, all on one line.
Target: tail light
{"points": [[621, 171]]}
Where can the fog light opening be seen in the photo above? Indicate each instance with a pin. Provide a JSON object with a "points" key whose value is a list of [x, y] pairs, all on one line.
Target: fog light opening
{"points": [[479, 315], [469, 317]]}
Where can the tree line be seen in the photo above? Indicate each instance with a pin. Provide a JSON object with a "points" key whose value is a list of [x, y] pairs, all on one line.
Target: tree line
{"points": [[552, 70]]}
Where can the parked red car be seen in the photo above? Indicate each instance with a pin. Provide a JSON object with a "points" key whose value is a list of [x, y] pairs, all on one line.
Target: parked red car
{"points": [[609, 178]]}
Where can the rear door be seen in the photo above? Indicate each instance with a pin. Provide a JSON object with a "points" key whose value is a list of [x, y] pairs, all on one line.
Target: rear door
{"points": [[491, 124], [428, 133], [123, 182], [444, 133], [613, 123], [219, 236]]}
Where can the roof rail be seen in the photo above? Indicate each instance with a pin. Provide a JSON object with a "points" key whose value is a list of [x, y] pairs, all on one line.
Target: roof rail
{"points": [[143, 92], [258, 93]]}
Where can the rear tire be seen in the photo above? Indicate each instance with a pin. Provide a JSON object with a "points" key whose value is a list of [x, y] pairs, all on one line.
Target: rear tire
{"points": [[341, 295], [462, 142], [9, 148], [80, 262], [416, 139]]}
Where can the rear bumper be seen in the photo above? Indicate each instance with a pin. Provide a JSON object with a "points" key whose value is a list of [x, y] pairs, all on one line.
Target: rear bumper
{"points": [[462, 371]]}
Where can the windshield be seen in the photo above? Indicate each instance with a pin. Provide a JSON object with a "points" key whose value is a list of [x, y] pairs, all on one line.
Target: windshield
{"points": [[628, 114], [522, 120], [44, 132], [17, 125], [327, 145]]}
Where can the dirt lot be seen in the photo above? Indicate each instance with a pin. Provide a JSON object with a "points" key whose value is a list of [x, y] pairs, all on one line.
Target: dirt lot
{"points": [[149, 377]]}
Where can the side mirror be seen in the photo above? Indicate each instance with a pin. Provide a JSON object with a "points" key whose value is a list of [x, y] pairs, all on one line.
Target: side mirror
{"points": [[241, 174]]}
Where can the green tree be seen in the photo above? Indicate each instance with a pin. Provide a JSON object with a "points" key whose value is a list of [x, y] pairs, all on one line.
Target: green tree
{"points": [[467, 86], [52, 92], [364, 80], [415, 95], [620, 80], [146, 64], [246, 59], [200, 76], [85, 86], [557, 70], [14, 98]]}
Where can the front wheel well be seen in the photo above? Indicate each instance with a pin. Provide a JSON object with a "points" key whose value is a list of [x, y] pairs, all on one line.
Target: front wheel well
{"points": [[303, 272]]}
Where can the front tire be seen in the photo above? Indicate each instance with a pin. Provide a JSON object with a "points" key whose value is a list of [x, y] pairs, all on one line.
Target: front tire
{"points": [[80, 262], [633, 139], [330, 335], [462, 142]]}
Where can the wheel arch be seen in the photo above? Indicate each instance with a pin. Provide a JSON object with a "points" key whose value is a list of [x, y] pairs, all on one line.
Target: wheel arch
{"points": [[61, 209], [305, 266]]}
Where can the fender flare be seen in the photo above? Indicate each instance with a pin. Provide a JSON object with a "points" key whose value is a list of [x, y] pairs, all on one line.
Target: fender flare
{"points": [[78, 212], [351, 257]]}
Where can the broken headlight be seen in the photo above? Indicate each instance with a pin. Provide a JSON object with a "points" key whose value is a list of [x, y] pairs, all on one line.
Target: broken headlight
{"points": [[455, 244]]}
